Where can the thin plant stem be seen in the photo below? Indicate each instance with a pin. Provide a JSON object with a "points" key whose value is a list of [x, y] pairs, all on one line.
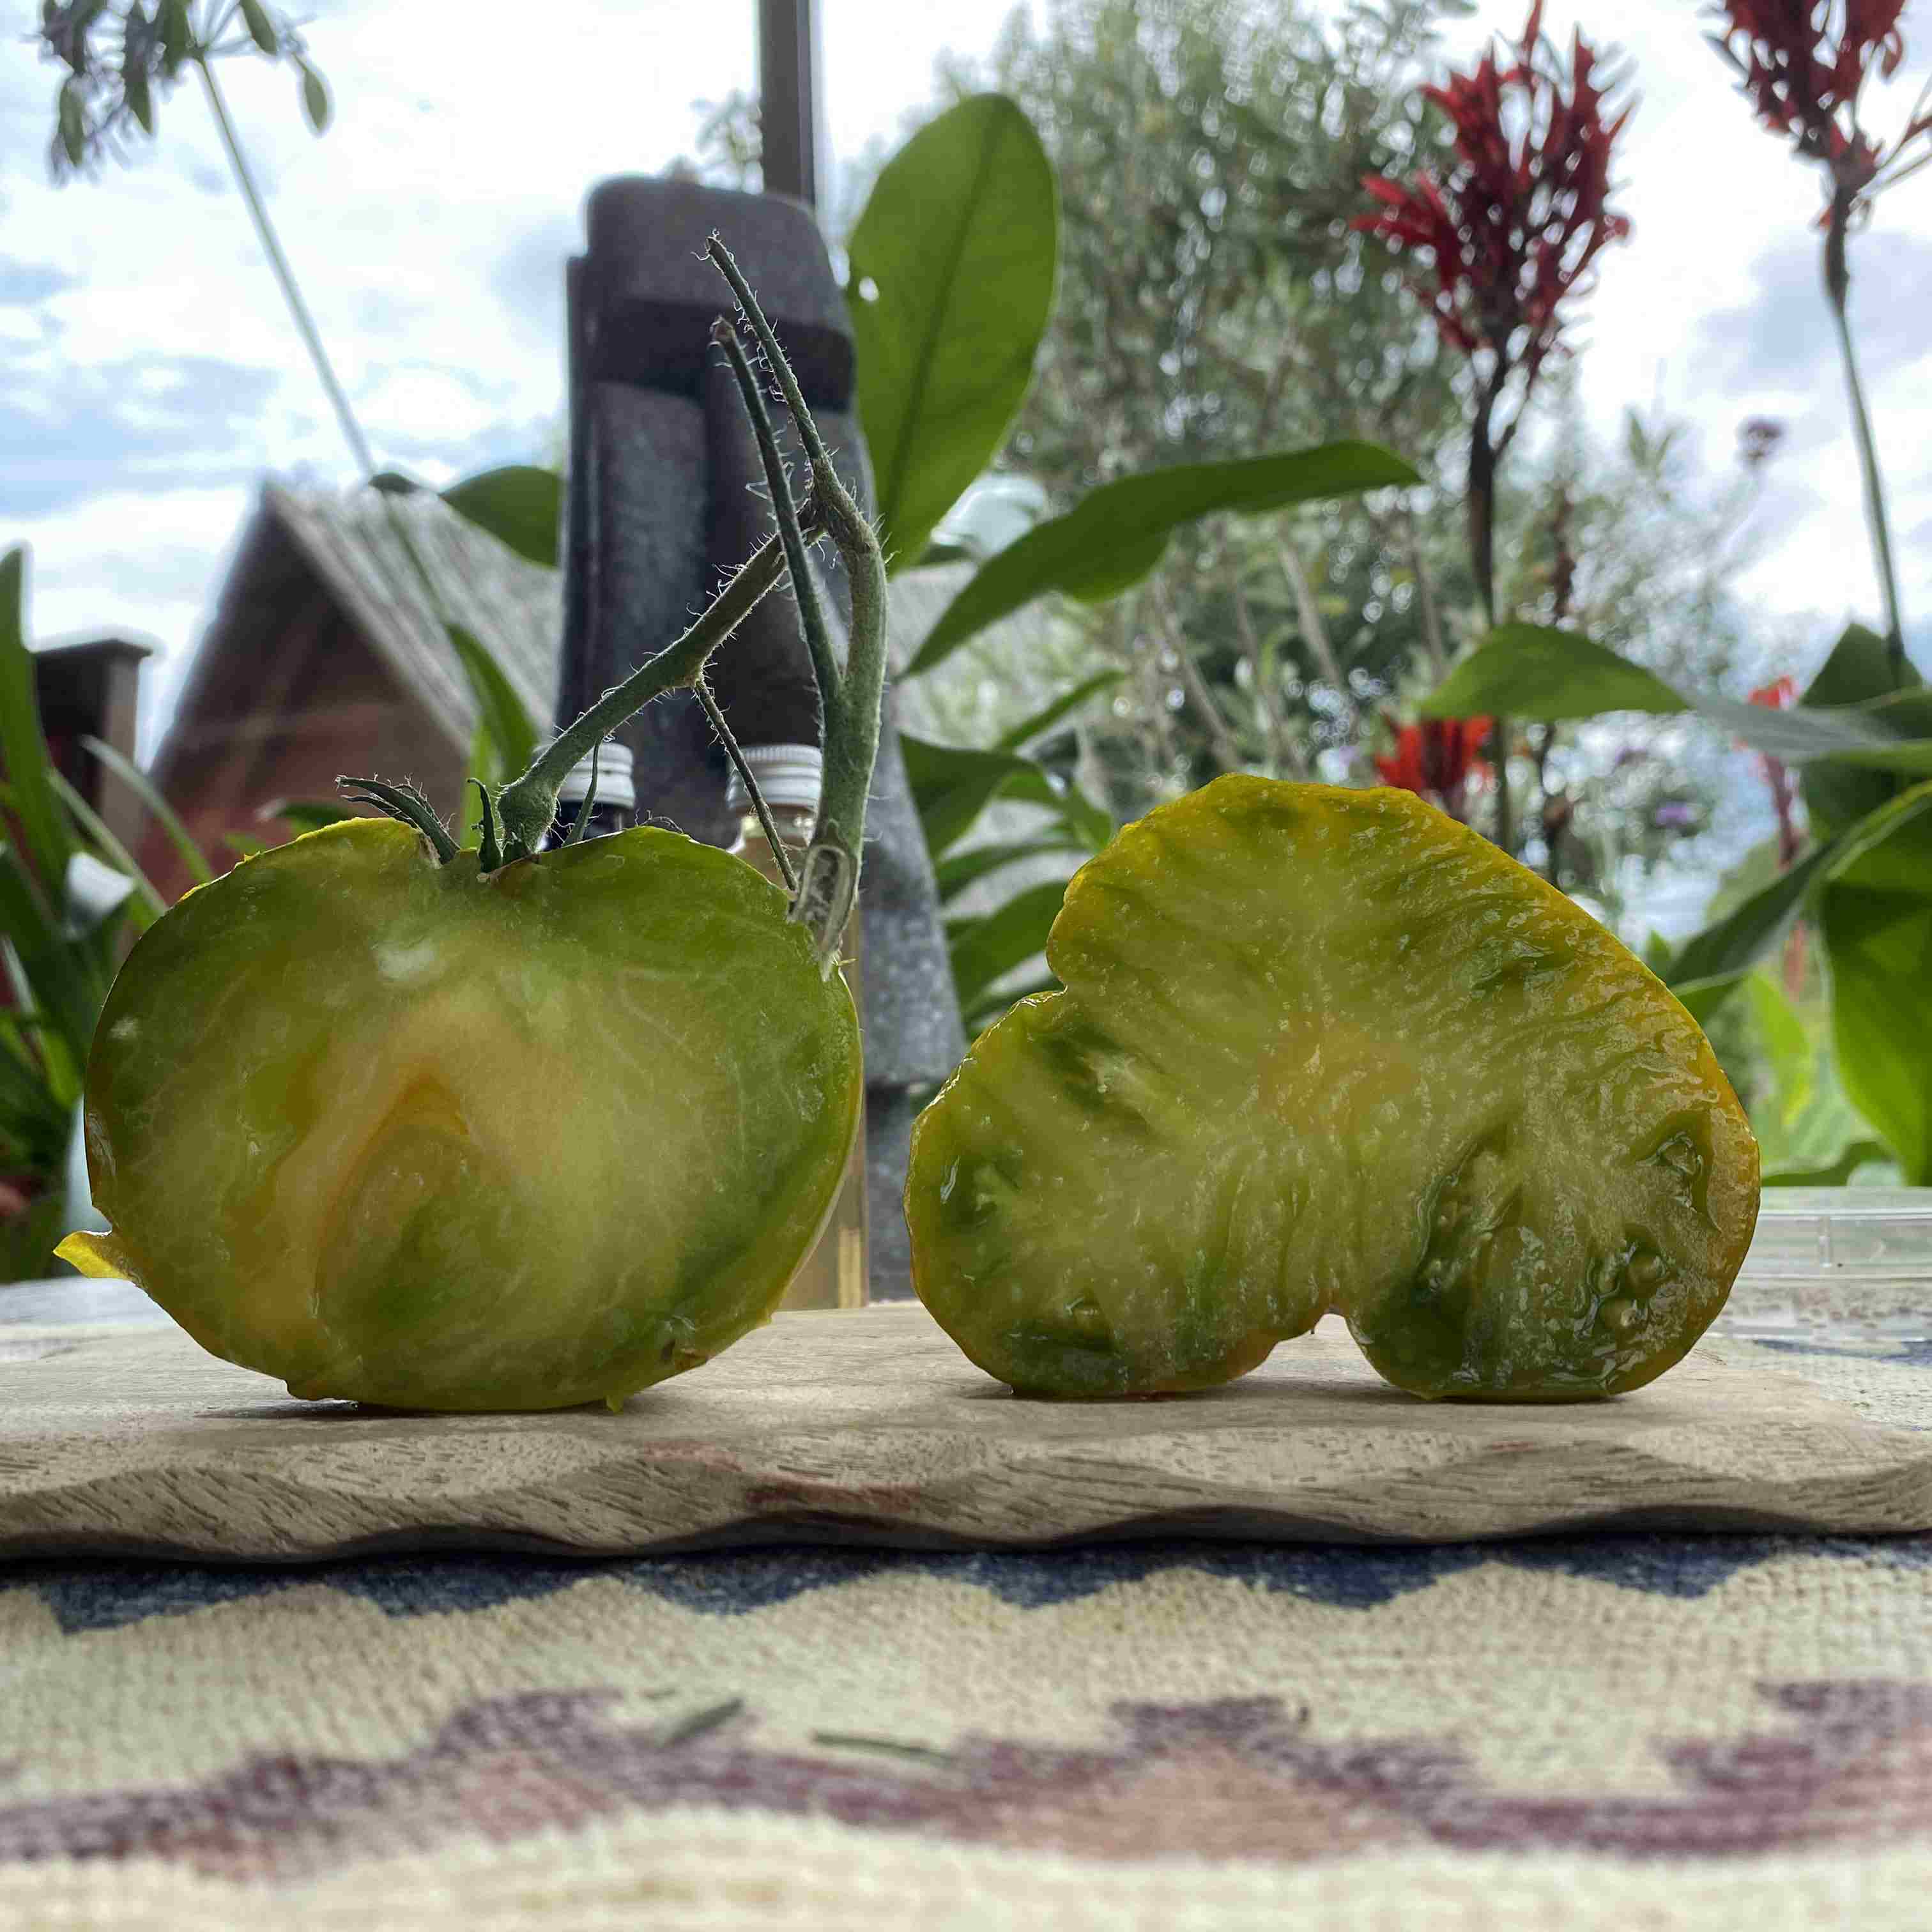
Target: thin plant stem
{"points": [[1485, 455], [768, 824], [284, 275], [830, 874], [1837, 289], [825, 663], [527, 804]]}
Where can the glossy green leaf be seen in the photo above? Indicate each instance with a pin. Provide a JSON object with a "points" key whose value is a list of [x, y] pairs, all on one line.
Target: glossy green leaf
{"points": [[1858, 672], [953, 873], [261, 29], [983, 950], [951, 786], [316, 105], [1043, 720], [1118, 532], [142, 787], [1730, 948], [501, 713], [23, 745], [1875, 916], [1734, 943], [1533, 672], [950, 289], [519, 505]]}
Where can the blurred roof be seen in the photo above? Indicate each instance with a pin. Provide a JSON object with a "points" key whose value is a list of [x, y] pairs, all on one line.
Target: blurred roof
{"points": [[510, 604]]}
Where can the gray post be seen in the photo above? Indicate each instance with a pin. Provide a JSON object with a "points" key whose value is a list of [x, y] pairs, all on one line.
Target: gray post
{"points": [[660, 503]]}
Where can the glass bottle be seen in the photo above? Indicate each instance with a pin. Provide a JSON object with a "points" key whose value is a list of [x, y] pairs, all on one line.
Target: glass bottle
{"points": [[834, 1274], [616, 803]]}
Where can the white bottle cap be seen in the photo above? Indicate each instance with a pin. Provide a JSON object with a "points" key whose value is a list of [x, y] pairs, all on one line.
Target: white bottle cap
{"points": [[789, 776], [613, 779]]}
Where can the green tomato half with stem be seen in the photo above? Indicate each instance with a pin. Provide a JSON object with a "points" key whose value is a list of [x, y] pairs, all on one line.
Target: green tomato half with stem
{"points": [[410, 1134]]}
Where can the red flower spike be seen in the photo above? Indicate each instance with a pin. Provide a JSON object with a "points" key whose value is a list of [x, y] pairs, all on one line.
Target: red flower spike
{"points": [[1801, 64], [1438, 757], [1512, 230]]}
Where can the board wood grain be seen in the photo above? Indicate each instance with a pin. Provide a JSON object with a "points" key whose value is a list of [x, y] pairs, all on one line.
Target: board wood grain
{"points": [[868, 1426]]}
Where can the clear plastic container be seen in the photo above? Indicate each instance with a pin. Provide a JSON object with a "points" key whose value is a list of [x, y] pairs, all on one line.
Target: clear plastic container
{"points": [[1845, 1261]]}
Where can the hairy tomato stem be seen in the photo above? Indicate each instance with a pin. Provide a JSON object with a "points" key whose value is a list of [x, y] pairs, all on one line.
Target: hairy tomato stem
{"points": [[830, 874], [526, 805]]}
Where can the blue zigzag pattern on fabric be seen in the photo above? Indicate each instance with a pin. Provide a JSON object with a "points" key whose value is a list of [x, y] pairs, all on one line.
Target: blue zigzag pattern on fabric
{"points": [[107, 1596]]}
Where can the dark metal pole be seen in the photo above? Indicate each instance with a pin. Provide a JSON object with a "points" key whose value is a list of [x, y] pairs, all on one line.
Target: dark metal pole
{"points": [[788, 98]]}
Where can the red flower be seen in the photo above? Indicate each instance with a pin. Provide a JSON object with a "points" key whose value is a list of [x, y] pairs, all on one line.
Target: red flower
{"points": [[1802, 63], [1439, 756], [1523, 213], [1780, 695]]}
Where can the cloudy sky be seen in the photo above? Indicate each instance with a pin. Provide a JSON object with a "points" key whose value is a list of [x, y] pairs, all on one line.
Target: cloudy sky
{"points": [[149, 375]]}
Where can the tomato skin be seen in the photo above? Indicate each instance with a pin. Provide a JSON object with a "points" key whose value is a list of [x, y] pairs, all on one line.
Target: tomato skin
{"points": [[1322, 1049], [394, 1131]]}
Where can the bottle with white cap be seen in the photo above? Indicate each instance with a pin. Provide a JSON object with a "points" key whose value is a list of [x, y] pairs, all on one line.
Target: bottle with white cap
{"points": [[615, 803], [788, 775]]}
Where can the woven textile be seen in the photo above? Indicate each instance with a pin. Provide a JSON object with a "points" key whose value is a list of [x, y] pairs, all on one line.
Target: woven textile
{"points": [[1603, 1732]]}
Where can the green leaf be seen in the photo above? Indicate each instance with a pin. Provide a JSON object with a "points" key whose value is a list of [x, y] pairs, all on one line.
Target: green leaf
{"points": [[1857, 1154], [983, 950], [950, 290], [111, 849], [261, 29], [142, 787], [139, 95], [1737, 941], [316, 106], [1118, 532], [1701, 997], [953, 874], [56, 976], [951, 786], [23, 745], [1875, 916], [1532, 672], [500, 712], [1858, 672], [73, 120], [1043, 720], [177, 34], [304, 814], [519, 505]]}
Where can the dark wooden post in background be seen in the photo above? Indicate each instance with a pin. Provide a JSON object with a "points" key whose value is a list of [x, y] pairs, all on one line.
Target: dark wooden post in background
{"points": [[789, 96]]}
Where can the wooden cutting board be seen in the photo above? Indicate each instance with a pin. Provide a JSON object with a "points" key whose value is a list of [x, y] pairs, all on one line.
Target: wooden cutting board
{"points": [[869, 1427]]}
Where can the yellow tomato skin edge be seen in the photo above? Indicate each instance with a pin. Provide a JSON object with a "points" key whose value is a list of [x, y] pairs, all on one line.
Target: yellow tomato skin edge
{"points": [[395, 1132]]}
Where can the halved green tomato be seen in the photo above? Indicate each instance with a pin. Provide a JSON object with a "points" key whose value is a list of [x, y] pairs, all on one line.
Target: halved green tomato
{"points": [[1323, 1049], [390, 1130]]}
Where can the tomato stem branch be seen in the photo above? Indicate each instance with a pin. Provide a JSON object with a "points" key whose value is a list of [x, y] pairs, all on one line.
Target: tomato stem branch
{"points": [[830, 873], [749, 781], [526, 805]]}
